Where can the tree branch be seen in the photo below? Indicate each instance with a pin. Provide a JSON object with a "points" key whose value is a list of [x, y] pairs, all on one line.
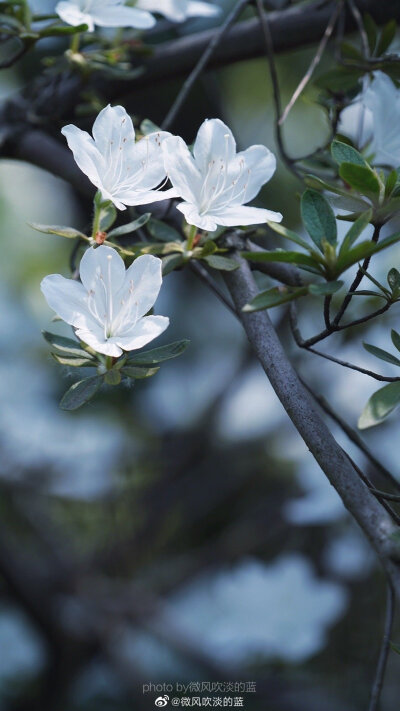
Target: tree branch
{"points": [[361, 503]]}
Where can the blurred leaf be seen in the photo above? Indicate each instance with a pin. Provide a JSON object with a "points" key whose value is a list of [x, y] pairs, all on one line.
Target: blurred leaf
{"points": [[388, 34], [318, 218], [66, 345], [157, 355], [325, 289], [162, 248], [61, 30], [74, 362], [130, 226], [393, 279], [391, 181], [395, 339], [274, 297], [280, 255], [381, 354], [343, 153], [360, 178], [171, 262], [371, 30], [380, 405], [69, 232], [108, 215], [340, 80], [363, 250], [139, 373], [112, 376], [81, 392], [161, 231], [354, 232], [224, 264], [289, 234]]}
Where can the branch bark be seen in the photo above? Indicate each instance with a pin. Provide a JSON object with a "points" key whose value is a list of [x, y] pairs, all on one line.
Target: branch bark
{"points": [[366, 510]]}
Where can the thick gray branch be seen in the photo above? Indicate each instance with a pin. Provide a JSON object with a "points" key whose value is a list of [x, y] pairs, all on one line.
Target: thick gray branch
{"points": [[375, 522]]}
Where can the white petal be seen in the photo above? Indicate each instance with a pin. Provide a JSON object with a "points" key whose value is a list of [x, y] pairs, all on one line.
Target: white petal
{"points": [[86, 155], [181, 169], [68, 299], [241, 215], [71, 13], [144, 275], [143, 332], [214, 141], [144, 197], [147, 163], [260, 164], [102, 269], [113, 131], [121, 16], [192, 217], [196, 8], [96, 340], [174, 10]]}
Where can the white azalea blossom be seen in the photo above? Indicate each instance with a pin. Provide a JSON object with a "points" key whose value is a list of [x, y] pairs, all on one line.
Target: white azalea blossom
{"points": [[125, 171], [108, 306], [375, 114], [104, 13], [179, 10], [215, 181]]}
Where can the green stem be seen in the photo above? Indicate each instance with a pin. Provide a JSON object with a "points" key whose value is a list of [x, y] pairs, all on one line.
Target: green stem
{"points": [[75, 40], [96, 218], [109, 362], [190, 239]]}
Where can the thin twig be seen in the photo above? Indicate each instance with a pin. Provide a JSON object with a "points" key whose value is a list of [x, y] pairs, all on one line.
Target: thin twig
{"points": [[395, 516], [203, 274], [201, 64], [337, 329], [357, 16], [354, 437], [269, 47], [384, 652], [316, 60]]}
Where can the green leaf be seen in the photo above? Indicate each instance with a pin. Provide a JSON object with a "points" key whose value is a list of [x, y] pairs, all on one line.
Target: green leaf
{"points": [[325, 289], [81, 392], [139, 373], [108, 215], [391, 181], [354, 232], [371, 30], [393, 279], [343, 153], [112, 377], [318, 218], [280, 255], [54, 31], [66, 345], [74, 362], [162, 248], [161, 231], [289, 234], [380, 405], [393, 646], [68, 232], [274, 297], [360, 177], [380, 353], [395, 339], [387, 36], [224, 264], [209, 248], [340, 80], [158, 355], [171, 262], [130, 226], [363, 250]]}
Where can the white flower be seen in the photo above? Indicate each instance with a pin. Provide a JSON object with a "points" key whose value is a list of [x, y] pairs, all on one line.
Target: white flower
{"points": [[124, 171], [216, 181], [104, 13], [373, 119], [107, 308], [179, 10]]}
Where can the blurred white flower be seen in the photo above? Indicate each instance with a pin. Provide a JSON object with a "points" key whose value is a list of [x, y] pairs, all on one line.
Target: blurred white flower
{"points": [[371, 120], [104, 13], [277, 610], [179, 10], [108, 307], [125, 171], [216, 181]]}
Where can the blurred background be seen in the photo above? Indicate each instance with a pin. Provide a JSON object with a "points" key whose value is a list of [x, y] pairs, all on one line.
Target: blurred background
{"points": [[179, 530]]}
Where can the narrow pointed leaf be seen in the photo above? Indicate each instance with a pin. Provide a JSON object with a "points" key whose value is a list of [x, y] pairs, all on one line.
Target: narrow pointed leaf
{"points": [[280, 255], [81, 392], [330, 287], [68, 232], [380, 405], [380, 353], [289, 234], [361, 178], [274, 297], [130, 226], [74, 362], [318, 217], [224, 264], [66, 345], [162, 232], [138, 373], [157, 355], [395, 339], [354, 232]]}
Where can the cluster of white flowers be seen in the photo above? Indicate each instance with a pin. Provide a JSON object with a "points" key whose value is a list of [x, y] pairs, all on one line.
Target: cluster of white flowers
{"points": [[108, 307], [114, 13]]}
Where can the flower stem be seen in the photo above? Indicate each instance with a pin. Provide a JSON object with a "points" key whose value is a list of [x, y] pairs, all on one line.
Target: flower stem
{"points": [[75, 39], [96, 218], [109, 362], [190, 239]]}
